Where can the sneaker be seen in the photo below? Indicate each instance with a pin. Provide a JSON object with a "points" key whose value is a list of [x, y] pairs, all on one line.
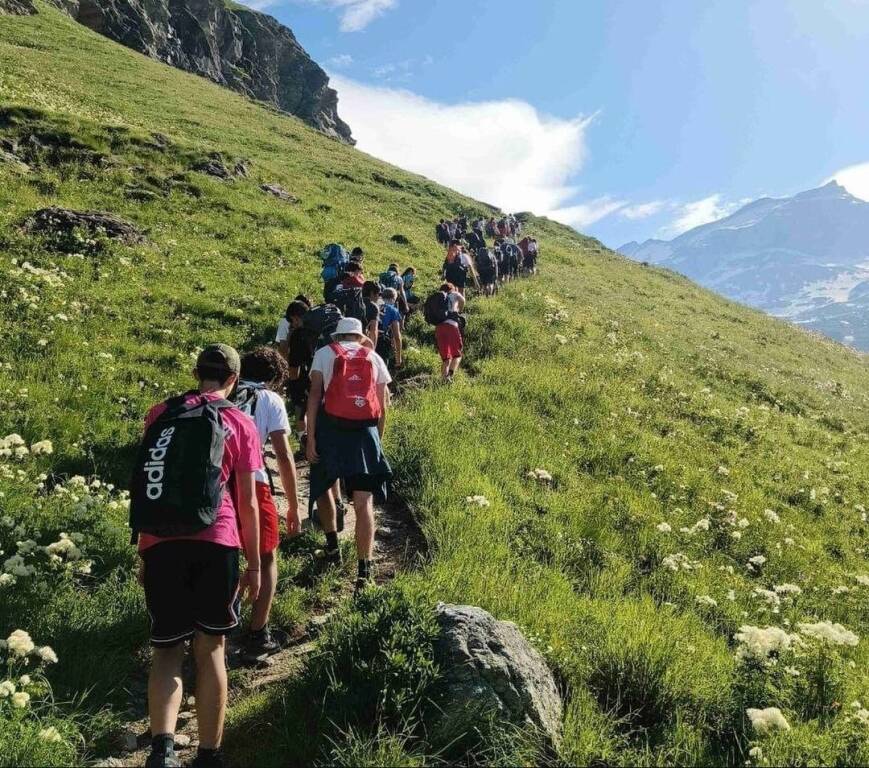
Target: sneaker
{"points": [[334, 556], [259, 646], [165, 759], [210, 760]]}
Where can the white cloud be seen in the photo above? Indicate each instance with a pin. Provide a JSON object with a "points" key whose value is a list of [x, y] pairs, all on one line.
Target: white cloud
{"points": [[340, 62], [642, 210], [698, 213], [855, 179], [502, 152], [355, 14], [586, 214]]}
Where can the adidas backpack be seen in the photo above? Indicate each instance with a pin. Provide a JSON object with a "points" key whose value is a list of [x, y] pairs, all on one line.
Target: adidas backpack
{"points": [[175, 489], [352, 392]]}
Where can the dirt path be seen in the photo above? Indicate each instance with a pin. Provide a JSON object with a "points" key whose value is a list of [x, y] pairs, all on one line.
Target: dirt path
{"points": [[398, 545]]}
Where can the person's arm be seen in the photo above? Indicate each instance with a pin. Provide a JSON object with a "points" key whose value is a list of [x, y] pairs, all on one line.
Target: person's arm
{"points": [[460, 303], [287, 471], [373, 331], [248, 514], [284, 348], [396, 342], [295, 372], [383, 397], [315, 395]]}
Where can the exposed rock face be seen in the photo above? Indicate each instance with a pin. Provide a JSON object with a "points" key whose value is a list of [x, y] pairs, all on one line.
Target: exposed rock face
{"points": [[279, 192], [229, 44], [58, 221], [17, 7], [490, 668]]}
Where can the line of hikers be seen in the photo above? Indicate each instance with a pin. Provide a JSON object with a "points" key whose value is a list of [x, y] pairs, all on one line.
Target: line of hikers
{"points": [[201, 490]]}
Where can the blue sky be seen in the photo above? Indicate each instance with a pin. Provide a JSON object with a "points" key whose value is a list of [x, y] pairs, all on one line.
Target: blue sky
{"points": [[625, 118]]}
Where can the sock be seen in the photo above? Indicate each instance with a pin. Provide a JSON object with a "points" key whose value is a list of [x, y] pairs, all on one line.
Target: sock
{"points": [[332, 540], [162, 743], [364, 569]]}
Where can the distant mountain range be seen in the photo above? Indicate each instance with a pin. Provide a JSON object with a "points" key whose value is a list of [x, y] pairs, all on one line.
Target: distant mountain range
{"points": [[804, 258]]}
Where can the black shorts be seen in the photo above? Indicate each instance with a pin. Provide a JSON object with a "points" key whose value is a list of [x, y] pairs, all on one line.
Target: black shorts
{"points": [[190, 586]]}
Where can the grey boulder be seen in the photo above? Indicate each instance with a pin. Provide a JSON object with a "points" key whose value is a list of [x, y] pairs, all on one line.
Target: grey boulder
{"points": [[490, 669]]}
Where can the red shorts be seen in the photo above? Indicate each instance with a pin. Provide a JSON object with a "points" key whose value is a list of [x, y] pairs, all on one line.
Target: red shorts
{"points": [[449, 339], [269, 529]]}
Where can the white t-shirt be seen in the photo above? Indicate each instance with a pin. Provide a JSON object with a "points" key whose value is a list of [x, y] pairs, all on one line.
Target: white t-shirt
{"points": [[270, 416], [324, 362], [283, 330]]}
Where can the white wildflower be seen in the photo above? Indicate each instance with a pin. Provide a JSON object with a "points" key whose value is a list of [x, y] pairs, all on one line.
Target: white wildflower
{"points": [[772, 516], [7, 688], [723, 471], [707, 601], [755, 753], [20, 699], [787, 589], [20, 643], [50, 734], [767, 720], [47, 654], [480, 501], [835, 634], [664, 528], [42, 448], [757, 643]]}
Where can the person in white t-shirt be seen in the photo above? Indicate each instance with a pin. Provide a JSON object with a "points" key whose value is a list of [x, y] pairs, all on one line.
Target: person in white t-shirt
{"points": [[264, 372], [347, 409]]}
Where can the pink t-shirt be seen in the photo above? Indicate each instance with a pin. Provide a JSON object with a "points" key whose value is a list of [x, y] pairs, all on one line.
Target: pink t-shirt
{"points": [[242, 452]]}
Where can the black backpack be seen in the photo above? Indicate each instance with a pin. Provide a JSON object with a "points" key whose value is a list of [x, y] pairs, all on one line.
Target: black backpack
{"points": [[436, 309], [485, 261], [351, 303], [320, 323], [456, 271], [175, 489]]}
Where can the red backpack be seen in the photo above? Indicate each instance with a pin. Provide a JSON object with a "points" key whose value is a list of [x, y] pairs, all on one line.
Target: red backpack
{"points": [[352, 392]]}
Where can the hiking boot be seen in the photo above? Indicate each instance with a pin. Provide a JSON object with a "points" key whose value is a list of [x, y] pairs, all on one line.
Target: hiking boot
{"points": [[209, 759], [163, 756], [362, 583], [334, 557], [259, 646]]}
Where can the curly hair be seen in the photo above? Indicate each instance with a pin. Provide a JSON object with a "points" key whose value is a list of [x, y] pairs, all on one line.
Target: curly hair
{"points": [[265, 365]]}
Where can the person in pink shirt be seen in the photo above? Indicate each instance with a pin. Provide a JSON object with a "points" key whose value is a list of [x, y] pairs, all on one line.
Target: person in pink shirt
{"points": [[192, 582]]}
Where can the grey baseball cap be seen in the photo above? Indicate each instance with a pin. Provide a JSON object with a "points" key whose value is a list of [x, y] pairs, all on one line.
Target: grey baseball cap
{"points": [[219, 360]]}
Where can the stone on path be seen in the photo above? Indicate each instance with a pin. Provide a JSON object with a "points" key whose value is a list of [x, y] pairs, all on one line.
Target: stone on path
{"points": [[490, 668]]}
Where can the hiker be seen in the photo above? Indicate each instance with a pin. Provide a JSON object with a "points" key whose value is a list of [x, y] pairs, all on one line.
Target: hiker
{"points": [[487, 271], [295, 345], [263, 374], [392, 279], [347, 415], [357, 255], [408, 277], [529, 248], [443, 310], [457, 270], [371, 294], [389, 336], [335, 260], [348, 296], [441, 233], [453, 250], [187, 525]]}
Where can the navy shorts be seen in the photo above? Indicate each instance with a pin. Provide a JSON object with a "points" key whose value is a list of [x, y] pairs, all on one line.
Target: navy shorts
{"points": [[190, 586]]}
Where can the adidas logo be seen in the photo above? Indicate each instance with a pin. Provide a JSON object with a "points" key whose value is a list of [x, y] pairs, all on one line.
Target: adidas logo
{"points": [[355, 377]]}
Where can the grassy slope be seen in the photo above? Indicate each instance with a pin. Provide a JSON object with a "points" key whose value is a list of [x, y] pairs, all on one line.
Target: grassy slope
{"points": [[659, 385]]}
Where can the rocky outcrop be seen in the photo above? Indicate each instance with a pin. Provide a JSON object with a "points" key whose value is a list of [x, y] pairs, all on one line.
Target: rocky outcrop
{"points": [[227, 43], [491, 669], [61, 222], [17, 7]]}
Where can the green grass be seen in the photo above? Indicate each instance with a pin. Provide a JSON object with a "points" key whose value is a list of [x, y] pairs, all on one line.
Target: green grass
{"points": [[663, 404]]}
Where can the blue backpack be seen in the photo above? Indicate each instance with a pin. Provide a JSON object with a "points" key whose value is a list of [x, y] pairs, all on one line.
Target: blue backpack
{"points": [[390, 279], [334, 258]]}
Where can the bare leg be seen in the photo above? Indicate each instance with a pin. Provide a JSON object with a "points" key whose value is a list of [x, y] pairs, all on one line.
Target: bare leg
{"points": [[454, 364], [445, 369], [363, 503], [211, 689], [165, 689], [269, 581]]}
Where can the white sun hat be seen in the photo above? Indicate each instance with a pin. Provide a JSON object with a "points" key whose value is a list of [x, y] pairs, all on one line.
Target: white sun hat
{"points": [[348, 326]]}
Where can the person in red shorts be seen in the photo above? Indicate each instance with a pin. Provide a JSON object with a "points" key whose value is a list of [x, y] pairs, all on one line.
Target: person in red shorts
{"points": [[264, 373], [449, 334]]}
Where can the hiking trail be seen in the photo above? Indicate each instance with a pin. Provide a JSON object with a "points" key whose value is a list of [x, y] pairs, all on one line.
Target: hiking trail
{"points": [[397, 546]]}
